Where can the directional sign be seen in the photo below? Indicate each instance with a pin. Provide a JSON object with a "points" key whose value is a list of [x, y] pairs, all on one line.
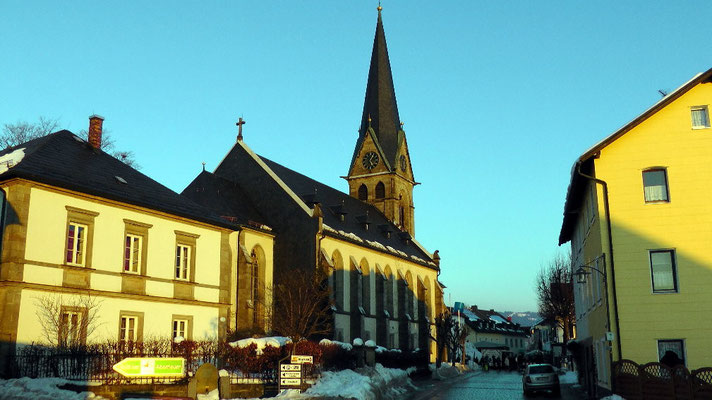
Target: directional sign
{"points": [[302, 360], [290, 367], [290, 374], [151, 367], [290, 382]]}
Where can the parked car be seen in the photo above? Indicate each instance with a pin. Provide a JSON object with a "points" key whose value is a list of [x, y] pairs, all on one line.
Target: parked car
{"points": [[540, 377]]}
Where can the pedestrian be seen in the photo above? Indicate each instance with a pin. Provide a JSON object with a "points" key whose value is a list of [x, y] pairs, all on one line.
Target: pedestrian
{"points": [[506, 363]]}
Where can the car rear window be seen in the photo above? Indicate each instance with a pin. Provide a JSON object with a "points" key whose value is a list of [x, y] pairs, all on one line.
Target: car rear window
{"points": [[541, 369]]}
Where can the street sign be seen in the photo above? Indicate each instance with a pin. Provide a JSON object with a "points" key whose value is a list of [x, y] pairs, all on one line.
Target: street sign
{"points": [[302, 360], [290, 367], [290, 382], [290, 374], [151, 367]]}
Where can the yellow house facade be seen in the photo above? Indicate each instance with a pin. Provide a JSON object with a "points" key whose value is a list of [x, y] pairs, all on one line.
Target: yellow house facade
{"points": [[105, 253], [637, 210]]}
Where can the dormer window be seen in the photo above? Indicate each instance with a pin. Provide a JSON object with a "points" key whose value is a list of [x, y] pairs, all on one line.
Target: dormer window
{"points": [[700, 117]]}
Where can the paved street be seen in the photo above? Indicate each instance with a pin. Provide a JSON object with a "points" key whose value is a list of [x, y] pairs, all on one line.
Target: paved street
{"points": [[488, 386]]}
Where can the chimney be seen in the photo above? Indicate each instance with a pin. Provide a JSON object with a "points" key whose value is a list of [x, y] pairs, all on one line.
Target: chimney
{"points": [[95, 124]]}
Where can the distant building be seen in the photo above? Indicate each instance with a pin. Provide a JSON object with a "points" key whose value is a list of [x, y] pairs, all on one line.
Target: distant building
{"points": [[637, 210], [490, 329]]}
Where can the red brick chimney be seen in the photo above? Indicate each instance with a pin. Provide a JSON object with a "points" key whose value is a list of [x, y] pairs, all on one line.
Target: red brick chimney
{"points": [[95, 124]]}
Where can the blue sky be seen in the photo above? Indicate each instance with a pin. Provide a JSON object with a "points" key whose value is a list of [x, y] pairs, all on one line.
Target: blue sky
{"points": [[498, 99]]}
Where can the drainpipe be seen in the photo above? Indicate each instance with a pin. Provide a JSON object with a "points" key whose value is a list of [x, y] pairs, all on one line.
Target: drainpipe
{"points": [[607, 211]]}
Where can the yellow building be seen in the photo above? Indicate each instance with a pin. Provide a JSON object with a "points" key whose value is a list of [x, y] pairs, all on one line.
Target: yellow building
{"points": [[93, 250], [637, 210]]}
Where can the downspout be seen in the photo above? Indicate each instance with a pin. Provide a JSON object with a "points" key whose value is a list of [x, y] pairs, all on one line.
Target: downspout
{"points": [[610, 251]]}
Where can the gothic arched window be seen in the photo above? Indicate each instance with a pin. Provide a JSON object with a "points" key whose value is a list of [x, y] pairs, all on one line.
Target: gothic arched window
{"points": [[363, 193], [380, 190]]}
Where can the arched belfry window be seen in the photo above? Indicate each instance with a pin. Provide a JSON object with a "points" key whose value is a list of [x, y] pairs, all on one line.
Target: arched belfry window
{"points": [[380, 190], [363, 193]]}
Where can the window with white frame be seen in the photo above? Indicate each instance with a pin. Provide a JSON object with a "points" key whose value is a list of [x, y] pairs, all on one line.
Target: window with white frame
{"points": [[128, 328], [132, 253], [76, 244], [182, 262], [69, 328], [700, 117], [675, 346], [655, 185], [180, 329], [662, 269]]}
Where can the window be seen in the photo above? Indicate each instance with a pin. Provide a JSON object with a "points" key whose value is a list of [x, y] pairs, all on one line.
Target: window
{"points": [[655, 185], [675, 346], [128, 328], [363, 193], [70, 327], [182, 262], [180, 328], [380, 190], [700, 117], [80, 231], [132, 254], [662, 268], [76, 244]]}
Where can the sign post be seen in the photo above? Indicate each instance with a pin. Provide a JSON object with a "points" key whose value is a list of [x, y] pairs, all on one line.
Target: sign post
{"points": [[151, 367], [290, 376]]}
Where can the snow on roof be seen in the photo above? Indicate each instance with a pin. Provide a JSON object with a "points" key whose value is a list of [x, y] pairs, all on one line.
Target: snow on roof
{"points": [[469, 314], [261, 343], [498, 319], [11, 159]]}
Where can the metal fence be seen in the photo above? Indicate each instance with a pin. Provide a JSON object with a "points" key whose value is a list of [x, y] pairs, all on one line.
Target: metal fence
{"points": [[656, 381]]}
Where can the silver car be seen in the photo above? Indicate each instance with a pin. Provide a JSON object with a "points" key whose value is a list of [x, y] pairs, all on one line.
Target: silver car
{"points": [[540, 377]]}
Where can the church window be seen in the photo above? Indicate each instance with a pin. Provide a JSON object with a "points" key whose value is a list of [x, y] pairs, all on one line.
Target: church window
{"points": [[402, 217], [380, 190], [363, 193]]}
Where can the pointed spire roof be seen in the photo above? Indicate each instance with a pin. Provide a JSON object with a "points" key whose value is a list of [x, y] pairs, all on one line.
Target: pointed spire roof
{"points": [[380, 103]]}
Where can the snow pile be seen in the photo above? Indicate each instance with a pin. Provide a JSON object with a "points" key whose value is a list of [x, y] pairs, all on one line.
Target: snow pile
{"points": [[9, 160], [568, 378], [358, 342], [369, 383], [261, 343], [370, 343], [445, 371], [613, 397], [41, 389], [345, 346], [213, 395]]}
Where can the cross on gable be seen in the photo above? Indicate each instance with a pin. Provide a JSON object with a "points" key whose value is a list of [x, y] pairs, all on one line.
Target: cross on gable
{"points": [[239, 124]]}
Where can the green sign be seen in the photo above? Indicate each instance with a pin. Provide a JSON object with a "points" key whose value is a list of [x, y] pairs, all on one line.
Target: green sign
{"points": [[151, 367]]}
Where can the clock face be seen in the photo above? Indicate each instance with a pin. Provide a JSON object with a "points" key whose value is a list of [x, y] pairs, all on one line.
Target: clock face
{"points": [[402, 163], [370, 160]]}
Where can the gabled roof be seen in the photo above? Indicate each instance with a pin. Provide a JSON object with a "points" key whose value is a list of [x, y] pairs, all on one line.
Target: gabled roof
{"points": [[64, 160], [357, 216], [578, 183], [380, 110]]}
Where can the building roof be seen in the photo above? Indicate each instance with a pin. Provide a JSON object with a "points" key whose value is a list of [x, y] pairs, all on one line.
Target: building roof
{"points": [[64, 160], [380, 110], [577, 183], [362, 223]]}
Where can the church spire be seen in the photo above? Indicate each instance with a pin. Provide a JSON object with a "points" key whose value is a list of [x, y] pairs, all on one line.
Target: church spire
{"points": [[380, 103]]}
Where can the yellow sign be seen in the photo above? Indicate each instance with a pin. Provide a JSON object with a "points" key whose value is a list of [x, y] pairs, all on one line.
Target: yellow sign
{"points": [[151, 367], [302, 360]]}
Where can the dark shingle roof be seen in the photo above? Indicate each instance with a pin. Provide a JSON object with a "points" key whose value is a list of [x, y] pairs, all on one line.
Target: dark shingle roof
{"points": [[64, 160], [357, 215]]}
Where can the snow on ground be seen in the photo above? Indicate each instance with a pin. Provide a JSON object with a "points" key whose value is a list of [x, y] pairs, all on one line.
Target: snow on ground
{"points": [[275, 341], [366, 384], [568, 377], [613, 397], [40, 389]]}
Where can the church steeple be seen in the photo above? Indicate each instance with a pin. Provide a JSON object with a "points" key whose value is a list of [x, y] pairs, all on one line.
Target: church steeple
{"points": [[380, 103], [380, 171]]}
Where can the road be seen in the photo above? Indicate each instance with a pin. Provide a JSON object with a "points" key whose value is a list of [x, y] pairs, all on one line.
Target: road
{"points": [[487, 386]]}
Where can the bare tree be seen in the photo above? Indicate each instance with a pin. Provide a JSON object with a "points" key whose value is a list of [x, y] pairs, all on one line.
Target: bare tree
{"points": [[555, 294], [302, 306], [451, 335], [67, 320], [22, 131]]}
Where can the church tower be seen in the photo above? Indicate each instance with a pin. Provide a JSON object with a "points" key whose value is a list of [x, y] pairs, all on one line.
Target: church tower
{"points": [[380, 171]]}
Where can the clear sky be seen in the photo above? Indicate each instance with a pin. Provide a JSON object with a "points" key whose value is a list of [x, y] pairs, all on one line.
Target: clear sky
{"points": [[498, 99]]}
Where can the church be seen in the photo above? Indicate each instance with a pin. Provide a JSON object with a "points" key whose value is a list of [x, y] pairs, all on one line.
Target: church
{"points": [[384, 283]]}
